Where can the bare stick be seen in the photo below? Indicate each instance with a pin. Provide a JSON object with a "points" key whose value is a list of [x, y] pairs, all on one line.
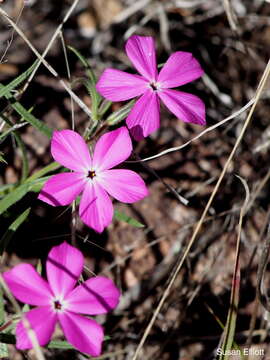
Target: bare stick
{"points": [[198, 227]]}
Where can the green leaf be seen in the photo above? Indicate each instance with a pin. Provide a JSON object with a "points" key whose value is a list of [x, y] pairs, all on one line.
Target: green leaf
{"points": [[104, 107], [1, 158], [90, 84], [49, 168], [95, 97], [123, 217], [220, 323], [18, 193], [12, 229], [2, 308], [3, 351], [6, 188], [58, 344], [25, 165], [120, 114], [85, 63], [5, 90], [26, 115], [13, 197]]}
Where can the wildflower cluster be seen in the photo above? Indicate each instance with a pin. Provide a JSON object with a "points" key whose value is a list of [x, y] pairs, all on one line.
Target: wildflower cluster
{"points": [[93, 176]]}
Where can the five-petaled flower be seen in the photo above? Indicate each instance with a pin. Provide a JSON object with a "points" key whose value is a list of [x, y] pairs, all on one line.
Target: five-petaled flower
{"points": [[58, 300], [93, 176], [180, 69]]}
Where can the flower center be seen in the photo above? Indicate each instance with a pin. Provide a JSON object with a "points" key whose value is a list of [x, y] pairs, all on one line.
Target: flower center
{"points": [[91, 174], [154, 86], [57, 305]]}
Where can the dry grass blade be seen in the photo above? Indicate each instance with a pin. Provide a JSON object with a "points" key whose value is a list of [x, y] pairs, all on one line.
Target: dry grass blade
{"points": [[229, 330], [166, 293], [56, 33], [12, 34], [45, 63], [132, 9], [230, 15], [207, 130]]}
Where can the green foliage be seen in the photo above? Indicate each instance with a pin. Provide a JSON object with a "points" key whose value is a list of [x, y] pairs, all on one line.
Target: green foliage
{"points": [[18, 193], [119, 115], [3, 351], [2, 158], [12, 229], [26, 115], [5, 90], [127, 219], [90, 84]]}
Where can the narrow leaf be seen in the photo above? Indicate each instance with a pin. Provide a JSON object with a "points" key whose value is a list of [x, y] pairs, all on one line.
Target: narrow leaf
{"points": [[26, 115], [13, 197], [123, 217], [2, 308], [18, 193], [5, 90], [120, 114], [25, 165], [49, 168], [2, 159], [3, 351], [4, 241], [85, 63], [90, 84], [57, 344], [230, 327]]}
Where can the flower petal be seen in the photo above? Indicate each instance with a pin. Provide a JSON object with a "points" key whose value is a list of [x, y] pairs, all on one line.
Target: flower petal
{"points": [[70, 150], [112, 148], [42, 320], [62, 189], [123, 185], [143, 118], [27, 285], [96, 209], [84, 334], [181, 68], [117, 85], [64, 266], [184, 106], [141, 52], [95, 296]]}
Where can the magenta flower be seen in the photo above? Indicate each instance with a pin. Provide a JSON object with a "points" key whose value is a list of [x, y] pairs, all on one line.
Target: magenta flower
{"points": [[180, 69], [59, 301], [93, 176]]}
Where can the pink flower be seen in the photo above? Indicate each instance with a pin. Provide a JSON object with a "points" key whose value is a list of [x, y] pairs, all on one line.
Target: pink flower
{"points": [[93, 176], [180, 69], [59, 301]]}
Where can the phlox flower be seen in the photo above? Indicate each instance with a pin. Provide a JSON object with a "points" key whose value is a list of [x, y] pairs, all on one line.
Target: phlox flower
{"points": [[58, 300], [93, 176], [181, 68]]}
